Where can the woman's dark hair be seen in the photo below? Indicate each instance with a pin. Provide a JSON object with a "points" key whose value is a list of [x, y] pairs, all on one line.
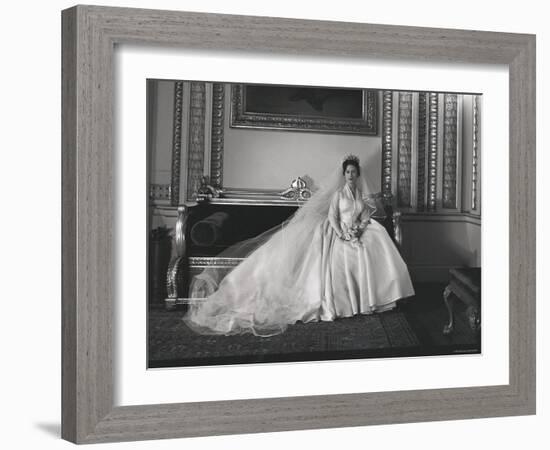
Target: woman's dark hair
{"points": [[350, 162]]}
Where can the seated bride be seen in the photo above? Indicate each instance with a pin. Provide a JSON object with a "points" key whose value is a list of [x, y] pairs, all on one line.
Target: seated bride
{"points": [[329, 260]]}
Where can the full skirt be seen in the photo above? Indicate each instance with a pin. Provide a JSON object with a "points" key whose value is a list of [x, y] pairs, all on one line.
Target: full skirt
{"points": [[332, 278]]}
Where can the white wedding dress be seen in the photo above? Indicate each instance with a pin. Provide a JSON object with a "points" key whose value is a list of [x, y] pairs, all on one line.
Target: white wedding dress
{"points": [[305, 272], [365, 276]]}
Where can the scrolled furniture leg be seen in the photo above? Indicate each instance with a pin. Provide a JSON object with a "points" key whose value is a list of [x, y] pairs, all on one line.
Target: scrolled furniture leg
{"points": [[447, 297], [176, 268], [474, 319], [173, 280]]}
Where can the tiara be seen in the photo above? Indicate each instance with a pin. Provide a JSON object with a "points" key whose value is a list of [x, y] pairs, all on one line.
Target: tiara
{"points": [[350, 157]]}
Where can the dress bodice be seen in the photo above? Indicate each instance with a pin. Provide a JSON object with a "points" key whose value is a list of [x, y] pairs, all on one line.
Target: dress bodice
{"points": [[350, 206]]}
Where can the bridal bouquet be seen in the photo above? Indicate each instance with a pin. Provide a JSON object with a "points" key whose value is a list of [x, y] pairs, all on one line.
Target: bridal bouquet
{"points": [[353, 234]]}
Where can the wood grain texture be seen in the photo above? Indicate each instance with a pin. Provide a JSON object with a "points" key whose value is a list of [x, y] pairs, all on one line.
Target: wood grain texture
{"points": [[89, 208], [87, 272], [68, 224], [523, 225]]}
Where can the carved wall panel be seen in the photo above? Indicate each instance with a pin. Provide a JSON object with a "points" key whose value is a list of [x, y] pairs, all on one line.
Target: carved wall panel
{"points": [[176, 144], [404, 137], [475, 152], [387, 111], [196, 141], [433, 112], [421, 164], [450, 151], [160, 191], [218, 112]]}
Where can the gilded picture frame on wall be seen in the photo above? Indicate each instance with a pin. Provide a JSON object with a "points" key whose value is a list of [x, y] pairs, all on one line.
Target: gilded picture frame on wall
{"points": [[89, 411], [352, 111]]}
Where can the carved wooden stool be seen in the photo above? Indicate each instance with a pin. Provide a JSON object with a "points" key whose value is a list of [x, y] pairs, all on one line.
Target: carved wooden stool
{"points": [[465, 285]]}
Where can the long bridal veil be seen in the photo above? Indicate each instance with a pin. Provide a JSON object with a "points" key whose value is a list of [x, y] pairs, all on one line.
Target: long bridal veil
{"points": [[279, 280]]}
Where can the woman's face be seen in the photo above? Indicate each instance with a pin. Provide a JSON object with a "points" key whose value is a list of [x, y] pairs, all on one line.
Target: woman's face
{"points": [[350, 173]]}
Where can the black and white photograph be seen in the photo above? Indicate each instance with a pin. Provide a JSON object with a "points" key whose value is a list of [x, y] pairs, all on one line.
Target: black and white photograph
{"points": [[311, 223]]}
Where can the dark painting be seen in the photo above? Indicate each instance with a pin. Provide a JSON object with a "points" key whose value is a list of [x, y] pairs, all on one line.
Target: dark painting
{"points": [[303, 108], [305, 101]]}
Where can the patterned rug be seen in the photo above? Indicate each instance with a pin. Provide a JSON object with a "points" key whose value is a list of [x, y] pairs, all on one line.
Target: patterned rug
{"points": [[173, 344]]}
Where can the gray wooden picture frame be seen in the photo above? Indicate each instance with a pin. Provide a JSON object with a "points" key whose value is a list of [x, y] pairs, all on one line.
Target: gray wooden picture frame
{"points": [[89, 36]]}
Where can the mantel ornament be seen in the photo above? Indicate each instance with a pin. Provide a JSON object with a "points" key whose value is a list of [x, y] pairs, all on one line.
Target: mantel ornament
{"points": [[206, 191], [298, 190]]}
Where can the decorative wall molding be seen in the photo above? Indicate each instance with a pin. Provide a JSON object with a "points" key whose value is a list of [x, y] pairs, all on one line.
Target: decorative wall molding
{"points": [[196, 140], [297, 193], [433, 112], [387, 111], [450, 150], [421, 163], [422, 168], [371, 113], [176, 143], [404, 145], [161, 210], [475, 151], [213, 261], [217, 140], [160, 191]]}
